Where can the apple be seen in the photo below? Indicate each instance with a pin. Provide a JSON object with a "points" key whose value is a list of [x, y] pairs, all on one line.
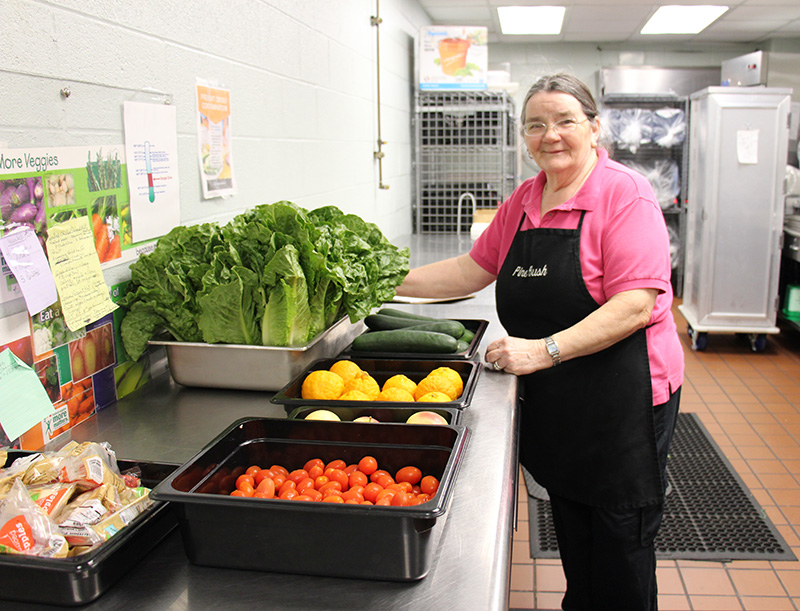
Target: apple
{"points": [[365, 419], [426, 418], [322, 414]]}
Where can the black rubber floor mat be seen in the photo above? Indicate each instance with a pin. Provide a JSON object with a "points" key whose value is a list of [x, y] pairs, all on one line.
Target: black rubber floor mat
{"points": [[709, 514]]}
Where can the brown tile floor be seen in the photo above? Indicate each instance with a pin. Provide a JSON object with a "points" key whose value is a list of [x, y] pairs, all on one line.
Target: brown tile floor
{"points": [[750, 403]]}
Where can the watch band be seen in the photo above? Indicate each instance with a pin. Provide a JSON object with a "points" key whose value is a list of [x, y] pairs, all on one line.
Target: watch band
{"points": [[552, 350]]}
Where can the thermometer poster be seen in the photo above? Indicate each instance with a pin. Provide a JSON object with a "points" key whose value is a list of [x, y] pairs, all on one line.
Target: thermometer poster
{"points": [[151, 150], [214, 140]]}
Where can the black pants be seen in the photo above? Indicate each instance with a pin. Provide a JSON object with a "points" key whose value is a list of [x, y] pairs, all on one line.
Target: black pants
{"points": [[608, 555]]}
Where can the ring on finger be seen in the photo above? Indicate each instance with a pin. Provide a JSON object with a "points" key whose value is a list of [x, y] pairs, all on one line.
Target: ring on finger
{"points": [[496, 367]]}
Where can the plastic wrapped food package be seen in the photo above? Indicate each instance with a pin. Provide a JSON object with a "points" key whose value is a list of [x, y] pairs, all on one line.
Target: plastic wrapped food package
{"points": [[668, 127], [664, 177], [629, 128]]}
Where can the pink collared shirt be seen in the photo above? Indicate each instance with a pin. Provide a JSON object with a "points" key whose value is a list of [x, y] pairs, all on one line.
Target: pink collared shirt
{"points": [[624, 246]]}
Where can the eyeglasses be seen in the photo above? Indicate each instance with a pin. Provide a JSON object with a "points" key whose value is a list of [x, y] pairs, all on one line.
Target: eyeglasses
{"points": [[565, 126]]}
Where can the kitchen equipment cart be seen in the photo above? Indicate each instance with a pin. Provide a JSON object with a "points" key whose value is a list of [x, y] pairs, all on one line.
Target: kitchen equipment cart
{"points": [[471, 557], [737, 158]]}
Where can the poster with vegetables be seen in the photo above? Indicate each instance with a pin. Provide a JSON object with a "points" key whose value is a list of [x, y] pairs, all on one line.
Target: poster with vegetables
{"points": [[215, 152], [453, 57]]}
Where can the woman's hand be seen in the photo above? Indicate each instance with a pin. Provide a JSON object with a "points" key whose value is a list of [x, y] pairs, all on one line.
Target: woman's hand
{"points": [[619, 317]]}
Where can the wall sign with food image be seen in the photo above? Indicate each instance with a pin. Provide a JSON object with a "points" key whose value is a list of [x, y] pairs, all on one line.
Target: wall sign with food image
{"points": [[49, 330], [47, 370], [22, 204], [92, 352], [106, 228]]}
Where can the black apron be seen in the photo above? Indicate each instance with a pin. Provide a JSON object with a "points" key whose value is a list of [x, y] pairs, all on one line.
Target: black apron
{"points": [[587, 430]]}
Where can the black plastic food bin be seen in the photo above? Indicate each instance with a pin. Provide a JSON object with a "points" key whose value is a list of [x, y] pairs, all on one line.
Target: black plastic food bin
{"points": [[382, 370], [384, 415], [476, 325], [81, 579], [325, 539]]}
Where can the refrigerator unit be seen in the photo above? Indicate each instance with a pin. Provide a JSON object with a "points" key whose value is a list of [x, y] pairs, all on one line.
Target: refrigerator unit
{"points": [[737, 158]]}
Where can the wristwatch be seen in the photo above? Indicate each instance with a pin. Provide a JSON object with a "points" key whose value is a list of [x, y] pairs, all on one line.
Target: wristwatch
{"points": [[552, 350]]}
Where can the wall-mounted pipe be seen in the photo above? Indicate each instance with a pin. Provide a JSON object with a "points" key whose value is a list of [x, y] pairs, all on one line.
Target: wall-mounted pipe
{"points": [[379, 154]]}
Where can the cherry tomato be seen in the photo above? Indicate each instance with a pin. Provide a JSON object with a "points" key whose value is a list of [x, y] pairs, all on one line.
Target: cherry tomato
{"points": [[253, 470], [400, 499], [357, 478], [336, 464], [353, 493], [371, 491], [404, 486], [304, 484], [245, 480], [276, 468], [267, 486], [408, 474], [315, 471], [262, 495], [288, 495], [384, 501], [314, 462], [365, 502], [423, 498], [416, 489], [263, 474], [385, 480], [373, 477], [337, 475], [429, 485], [367, 465], [331, 485], [238, 492], [383, 494], [315, 495], [350, 468], [287, 485], [297, 475], [321, 481], [279, 479], [302, 497], [352, 502], [333, 499]]}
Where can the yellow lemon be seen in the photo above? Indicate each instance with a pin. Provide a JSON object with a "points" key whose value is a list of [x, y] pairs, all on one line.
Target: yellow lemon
{"points": [[346, 369], [365, 383], [353, 395], [434, 397], [322, 384], [400, 381], [393, 393], [453, 375]]}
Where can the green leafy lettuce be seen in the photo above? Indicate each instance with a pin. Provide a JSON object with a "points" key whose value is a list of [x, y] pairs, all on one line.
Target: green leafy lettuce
{"points": [[276, 275]]}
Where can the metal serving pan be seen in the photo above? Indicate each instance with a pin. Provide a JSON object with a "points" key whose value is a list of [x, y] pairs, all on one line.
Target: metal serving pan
{"points": [[312, 538], [81, 579], [383, 414], [246, 367]]}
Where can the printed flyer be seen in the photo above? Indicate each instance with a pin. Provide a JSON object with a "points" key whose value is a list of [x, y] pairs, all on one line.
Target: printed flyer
{"points": [[215, 152], [453, 57]]}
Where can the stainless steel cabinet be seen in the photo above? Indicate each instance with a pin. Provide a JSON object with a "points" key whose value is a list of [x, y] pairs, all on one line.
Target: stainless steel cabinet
{"points": [[737, 158]]}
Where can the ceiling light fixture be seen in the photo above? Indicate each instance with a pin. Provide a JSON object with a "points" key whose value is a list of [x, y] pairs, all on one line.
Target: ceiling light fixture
{"points": [[674, 19], [541, 20]]}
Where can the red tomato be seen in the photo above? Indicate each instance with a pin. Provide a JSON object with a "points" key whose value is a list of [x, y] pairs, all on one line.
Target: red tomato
{"points": [[253, 470], [385, 480], [267, 487], [429, 485], [367, 465], [279, 479], [408, 474], [375, 475], [357, 478], [384, 494], [238, 492], [315, 495], [352, 502], [332, 485], [297, 475], [336, 464], [289, 494], [302, 497], [304, 484], [350, 468], [333, 499], [384, 501], [245, 480], [321, 481], [315, 471], [400, 499], [314, 462], [423, 498], [262, 495], [353, 493], [367, 502], [287, 485], [277, 468], [263, 474], [371, 491], [337, 475]]}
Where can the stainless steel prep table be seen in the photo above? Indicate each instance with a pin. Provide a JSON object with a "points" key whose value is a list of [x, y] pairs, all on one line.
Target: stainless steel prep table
{"points": [[471, 545]]}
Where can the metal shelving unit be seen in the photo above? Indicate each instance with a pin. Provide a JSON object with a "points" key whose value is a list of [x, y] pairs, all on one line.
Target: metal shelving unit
{"points": [[648, 154], [465, 157]]}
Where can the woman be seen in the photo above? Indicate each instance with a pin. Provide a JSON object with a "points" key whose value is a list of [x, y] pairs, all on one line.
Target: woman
{"points": [[580, 257]]}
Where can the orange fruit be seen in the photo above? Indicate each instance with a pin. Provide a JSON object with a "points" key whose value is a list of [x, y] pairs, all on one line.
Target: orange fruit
{"points": [[365, 383], [345, 368], [322, 384], [434, 397], [400, 381], [437, 383], [452, 375], [393, 393]]}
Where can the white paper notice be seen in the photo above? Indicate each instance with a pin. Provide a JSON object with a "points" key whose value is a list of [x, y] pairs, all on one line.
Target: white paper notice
{"points": [[151, 151], [25, 401], [24, 255], [747, 146]]}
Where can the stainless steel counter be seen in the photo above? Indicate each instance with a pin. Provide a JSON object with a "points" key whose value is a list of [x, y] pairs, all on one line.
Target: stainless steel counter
{"points": [[470, 569]]}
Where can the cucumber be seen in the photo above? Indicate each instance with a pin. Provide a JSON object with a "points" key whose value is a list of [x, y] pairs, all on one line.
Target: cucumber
{"points": [[380, 322], [404, 340], [451, 327], [462, 346], [402, 314], [467, 336]]}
